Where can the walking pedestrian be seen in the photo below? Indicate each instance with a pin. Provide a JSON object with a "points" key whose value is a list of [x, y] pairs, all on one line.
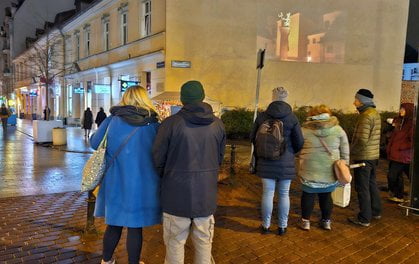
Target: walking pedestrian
{"points": [[277, 173], [188, 151], [100, 116], [47, 113], [129, 193], [4, 115], [399, 152], [87, 122], [365, 148], [324, 142]]}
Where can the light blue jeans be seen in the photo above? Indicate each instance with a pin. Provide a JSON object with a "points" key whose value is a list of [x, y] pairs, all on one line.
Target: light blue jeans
{"points": [[283, 188]]}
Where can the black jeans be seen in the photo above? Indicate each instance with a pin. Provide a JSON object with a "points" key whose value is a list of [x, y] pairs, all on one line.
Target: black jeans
{"points": [[366, 188], [4, 123], [134, 243], [395, 177], [325, 202]]}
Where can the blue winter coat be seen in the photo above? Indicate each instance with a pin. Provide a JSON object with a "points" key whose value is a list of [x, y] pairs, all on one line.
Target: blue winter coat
{"points": [[284, 168], [129, 193]]}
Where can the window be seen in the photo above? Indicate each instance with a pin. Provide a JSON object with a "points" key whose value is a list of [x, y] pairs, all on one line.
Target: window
{"points": [[87, 45], [314, 41], [124, 28], [105, 24], [77, 40], [146, 21], [106, 35]]}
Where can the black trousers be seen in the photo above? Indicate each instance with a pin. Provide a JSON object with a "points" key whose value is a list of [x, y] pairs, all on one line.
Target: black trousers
{"points": [[366, 188], [325, 202], [134, 243], [395, 177]]}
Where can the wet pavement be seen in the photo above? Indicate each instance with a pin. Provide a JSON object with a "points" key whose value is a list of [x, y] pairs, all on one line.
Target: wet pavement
{"points": [[27, 168], [48, 228]]}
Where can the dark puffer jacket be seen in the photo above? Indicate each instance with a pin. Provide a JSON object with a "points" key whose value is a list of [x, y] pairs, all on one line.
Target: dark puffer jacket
{"points": [[284, 168], [366, 138], [187, 152], [399, 147]]}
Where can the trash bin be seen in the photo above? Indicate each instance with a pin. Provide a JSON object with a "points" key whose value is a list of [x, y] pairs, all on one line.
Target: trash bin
{"points": [[59, 136]]}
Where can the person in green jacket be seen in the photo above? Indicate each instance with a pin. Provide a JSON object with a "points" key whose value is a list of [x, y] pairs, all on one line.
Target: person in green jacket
{"points": [[365, 148], [324, 142]]}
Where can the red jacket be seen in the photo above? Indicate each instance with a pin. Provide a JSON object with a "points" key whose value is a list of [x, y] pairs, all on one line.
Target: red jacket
{"points": [[399, 147]]}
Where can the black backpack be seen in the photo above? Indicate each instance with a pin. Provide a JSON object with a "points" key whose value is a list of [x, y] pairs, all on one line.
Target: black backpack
{"points": [[270, 141], [4, 111]]}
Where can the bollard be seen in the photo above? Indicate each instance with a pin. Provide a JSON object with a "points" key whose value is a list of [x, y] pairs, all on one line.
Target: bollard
{"points": [[90, 224], [233, 160]]}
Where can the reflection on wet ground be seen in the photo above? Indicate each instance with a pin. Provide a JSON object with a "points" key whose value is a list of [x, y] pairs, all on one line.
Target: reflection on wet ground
{"points": [[28, 169]]}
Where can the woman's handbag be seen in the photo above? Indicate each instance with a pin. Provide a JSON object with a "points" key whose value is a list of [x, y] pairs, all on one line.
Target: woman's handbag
{"points": [[96, 167], [340, 168]]}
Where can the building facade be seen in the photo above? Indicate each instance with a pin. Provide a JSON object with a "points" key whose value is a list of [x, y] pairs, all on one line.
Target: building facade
{"points": [[321, 54]]}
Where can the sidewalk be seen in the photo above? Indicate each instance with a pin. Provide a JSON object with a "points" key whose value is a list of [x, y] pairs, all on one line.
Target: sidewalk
{"points": [[76, 142], [48, 228]]}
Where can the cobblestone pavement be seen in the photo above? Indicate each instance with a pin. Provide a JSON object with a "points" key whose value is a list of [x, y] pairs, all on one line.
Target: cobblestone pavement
{"points": [[48, 228]]}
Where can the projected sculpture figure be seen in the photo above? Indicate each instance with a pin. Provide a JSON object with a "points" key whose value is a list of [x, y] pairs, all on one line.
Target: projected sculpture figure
{"points": [[282, 35]]}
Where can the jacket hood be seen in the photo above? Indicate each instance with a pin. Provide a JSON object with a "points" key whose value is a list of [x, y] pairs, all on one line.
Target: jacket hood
{"points": [[410, 108], [198, 113], [322, 128], [278, 109], [134, 115]]}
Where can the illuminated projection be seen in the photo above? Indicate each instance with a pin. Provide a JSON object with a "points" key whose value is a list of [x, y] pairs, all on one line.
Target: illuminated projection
{"points": [[317, 37]]}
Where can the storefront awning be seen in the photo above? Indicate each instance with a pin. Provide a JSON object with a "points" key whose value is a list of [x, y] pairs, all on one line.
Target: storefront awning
{"points": [[167, 96]]}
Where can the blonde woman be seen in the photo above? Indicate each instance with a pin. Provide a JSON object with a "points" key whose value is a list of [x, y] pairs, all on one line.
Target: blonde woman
{"points": [[129, 194], [322, 134]]}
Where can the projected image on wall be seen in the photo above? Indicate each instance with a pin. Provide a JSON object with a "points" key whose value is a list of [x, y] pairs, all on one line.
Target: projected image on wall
{"points": [[304, 37]]}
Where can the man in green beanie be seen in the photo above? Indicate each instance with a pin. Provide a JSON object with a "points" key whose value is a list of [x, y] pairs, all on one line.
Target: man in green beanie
{"points": [[187, 152]]}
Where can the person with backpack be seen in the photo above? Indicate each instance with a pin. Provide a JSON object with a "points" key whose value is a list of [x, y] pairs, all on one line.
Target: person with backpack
{"points": [[4, 115], [277, 137], [324, 143]]}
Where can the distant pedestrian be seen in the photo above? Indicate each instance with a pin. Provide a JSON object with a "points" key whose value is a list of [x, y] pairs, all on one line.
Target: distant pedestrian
{"points": [[87, 122], [47, 113], [324, 142], [100, 116], [399, 152], [188, 151], [129, 193], [4, 115], [365, 148], [277, 172]]}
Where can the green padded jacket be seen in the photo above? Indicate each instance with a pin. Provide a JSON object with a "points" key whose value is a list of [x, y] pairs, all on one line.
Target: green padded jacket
{"points": [[365, 143]]}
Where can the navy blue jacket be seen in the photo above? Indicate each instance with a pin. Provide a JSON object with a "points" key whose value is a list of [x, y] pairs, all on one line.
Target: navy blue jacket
{"points": [[187, 152], [284, 168]]}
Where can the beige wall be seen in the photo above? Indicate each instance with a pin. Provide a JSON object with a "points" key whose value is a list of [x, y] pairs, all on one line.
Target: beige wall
{"points": [[219, 38]]}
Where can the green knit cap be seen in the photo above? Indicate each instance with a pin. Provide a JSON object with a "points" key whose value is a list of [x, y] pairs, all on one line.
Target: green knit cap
{"points": [[192, 92]]}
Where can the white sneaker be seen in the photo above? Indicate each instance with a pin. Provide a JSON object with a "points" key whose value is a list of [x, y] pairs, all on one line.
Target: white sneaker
{"points": [[305, 224], [112, 261], [326, 224]]}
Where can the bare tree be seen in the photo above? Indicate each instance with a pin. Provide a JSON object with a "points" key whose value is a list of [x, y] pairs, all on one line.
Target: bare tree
{"points": [[46, 61]]}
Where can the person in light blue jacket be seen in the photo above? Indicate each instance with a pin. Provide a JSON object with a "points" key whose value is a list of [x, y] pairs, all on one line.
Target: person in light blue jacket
{"points": [[130, 190], [324, 142]]}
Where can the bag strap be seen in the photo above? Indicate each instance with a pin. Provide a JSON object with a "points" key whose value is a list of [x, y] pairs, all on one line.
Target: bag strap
{"points": [[120, 149], [325, 146]]}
